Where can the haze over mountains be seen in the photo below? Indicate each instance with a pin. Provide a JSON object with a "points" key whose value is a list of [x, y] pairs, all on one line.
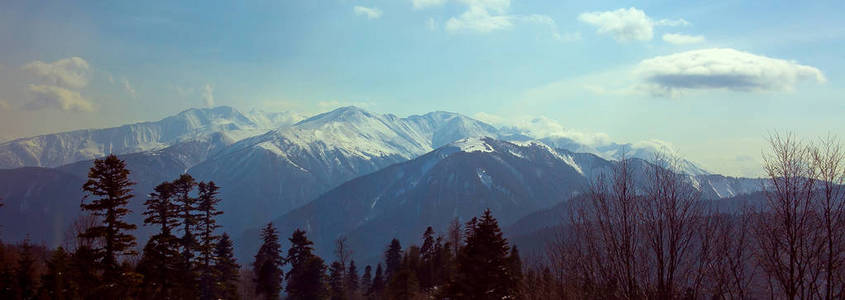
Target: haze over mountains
{"points": [[343, 172]]}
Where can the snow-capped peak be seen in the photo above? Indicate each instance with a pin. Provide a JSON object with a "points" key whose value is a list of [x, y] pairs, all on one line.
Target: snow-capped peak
{"points": [[473, 144]]}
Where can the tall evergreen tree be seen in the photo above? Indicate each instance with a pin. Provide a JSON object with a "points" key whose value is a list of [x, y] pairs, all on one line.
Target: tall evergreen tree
{"points": [[226, 270], [428, 253], [83, 272], [392, 259], [484, 271], [55, 282], [352, 280], [7, 278], [307, 271], [336, 284], [267, 265], [207, 207], [515, 264], [377, 287], [109, 186], [366, 280], [161, 258], [25, 272], [404, 284], [186, 204]]}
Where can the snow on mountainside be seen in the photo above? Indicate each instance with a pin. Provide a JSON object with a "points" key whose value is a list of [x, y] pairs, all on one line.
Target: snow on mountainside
{"points": [[67, 147], [288, 167]]}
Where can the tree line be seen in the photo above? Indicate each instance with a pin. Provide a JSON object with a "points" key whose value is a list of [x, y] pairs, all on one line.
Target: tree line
{"points": [[632, 234], [188, 259]]}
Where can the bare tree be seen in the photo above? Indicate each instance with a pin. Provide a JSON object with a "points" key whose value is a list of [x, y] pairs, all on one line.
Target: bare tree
{"points": [[785, 226], [72, 240], [670, 214], [455, 236], [828, 159]]}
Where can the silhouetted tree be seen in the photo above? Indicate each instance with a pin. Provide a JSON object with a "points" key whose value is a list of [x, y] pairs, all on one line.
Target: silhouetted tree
{"points": [[377, 287], [429, 254], [366, 280], [352, 280], [336, 284], [55, 283], [306, 278], [109, 186], [392, 259], [161, 260], [207, 207], [483, 266], [25, 272], [225, 270], [267, 265]]}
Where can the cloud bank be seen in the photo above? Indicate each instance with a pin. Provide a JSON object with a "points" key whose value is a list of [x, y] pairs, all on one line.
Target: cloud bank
{"points": [[69, 72], [626, 24], [208, 95], [726, 69]]}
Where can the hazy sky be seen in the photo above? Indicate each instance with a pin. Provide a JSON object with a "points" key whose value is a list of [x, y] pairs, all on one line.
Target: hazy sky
{"points": [[711, 78]]}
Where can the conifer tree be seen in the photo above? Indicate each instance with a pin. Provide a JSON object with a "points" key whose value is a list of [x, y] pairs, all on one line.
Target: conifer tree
{"points": [[83, 272], [352, 280], [25, 272], [109, 186], [161, 258], [377, 287], [307, 271], [428, 253], [207, 207], [7, 278], [226, 270], [404, 284], [55, 283], [392, 259], [267, 265], [484, 271], [515, 264], [336, 284], [366, 280], [187, 213]]}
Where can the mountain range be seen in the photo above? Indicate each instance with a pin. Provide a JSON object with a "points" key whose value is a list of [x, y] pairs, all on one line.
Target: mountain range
{"points": [[347, 172]]}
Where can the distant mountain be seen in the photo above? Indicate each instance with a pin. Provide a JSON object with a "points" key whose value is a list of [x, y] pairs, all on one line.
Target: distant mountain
{"points": [[458, 180], [268, 175], [58, 149]]}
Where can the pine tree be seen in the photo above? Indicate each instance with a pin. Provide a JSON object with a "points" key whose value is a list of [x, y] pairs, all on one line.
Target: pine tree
{"points": [[366, 280], [352, 281], [226, 270], [25, 272], [307, 271], [108, 183], [484, 270], [83, 272], [404, 284], [515, 264], [377, 287], [186, 212], [55, 283], [161, 258], [267, 265], [207, 206], [429, 253], [392, 259], [336, 284]]}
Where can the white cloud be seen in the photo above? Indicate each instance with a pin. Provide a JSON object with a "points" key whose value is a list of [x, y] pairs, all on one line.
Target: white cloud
{"points": [[477, 18], [541, 127], [370, 13], [726, 69], [68, 72], [208, 95], [128, 87], [681, 39], [48, 96], [626, 24], [421, 4]]}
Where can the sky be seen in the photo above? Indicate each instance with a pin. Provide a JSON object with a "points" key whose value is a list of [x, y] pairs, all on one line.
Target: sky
{"points": [[712, 79]]}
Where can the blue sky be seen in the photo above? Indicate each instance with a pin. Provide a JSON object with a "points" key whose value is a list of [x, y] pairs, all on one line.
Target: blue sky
{"points": [[710, 78]]}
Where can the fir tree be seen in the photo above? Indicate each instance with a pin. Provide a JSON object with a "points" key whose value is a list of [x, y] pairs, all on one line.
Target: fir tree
{"points": [[186, 212], [515, 264], [25, 272], [161, 258], [55, 283], [392, 259], [484, 271], [307, 271], [336, 284], [377, 287], [352, 281], [428, 253], [108, 183], [366, 280], [83, 272], [403, 284], [207, 206], [226, 270], [267, 265]]}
